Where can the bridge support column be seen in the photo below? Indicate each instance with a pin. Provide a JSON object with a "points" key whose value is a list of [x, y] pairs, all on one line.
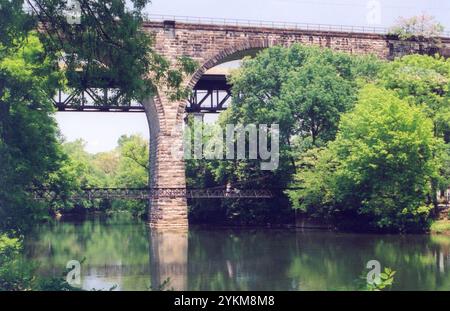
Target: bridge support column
{"points": [[167, 172], [167, 167]]}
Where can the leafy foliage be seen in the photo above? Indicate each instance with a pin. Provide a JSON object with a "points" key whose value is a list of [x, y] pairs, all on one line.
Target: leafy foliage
{"points": [[124, 167], [132, 172], [17, 274], [441, 226], [108, 48], [28, 146], [304, 90], [386, 281], [379, 168], [14, 25], [424, 82]]}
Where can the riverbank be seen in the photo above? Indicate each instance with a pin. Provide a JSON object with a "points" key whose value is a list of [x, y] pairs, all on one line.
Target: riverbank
{"points": [[441, 227]]}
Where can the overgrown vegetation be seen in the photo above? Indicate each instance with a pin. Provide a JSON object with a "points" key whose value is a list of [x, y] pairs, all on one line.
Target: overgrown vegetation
{"points": [[29, 149], [420, 26], [385, 282], [378, 171]]}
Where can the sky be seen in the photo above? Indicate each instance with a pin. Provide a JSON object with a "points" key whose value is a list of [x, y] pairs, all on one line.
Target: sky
{"points": [[102, 130]]}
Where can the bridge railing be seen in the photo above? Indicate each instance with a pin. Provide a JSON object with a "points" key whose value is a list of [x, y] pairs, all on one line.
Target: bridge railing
{"points": [[145, 193], [263, 23], [270, 24]]}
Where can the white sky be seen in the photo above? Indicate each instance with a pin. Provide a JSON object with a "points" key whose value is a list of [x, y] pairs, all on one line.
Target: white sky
{"points": [[101, 130]]}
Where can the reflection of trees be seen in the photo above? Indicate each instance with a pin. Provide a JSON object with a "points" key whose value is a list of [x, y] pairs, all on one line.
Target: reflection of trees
{"points": [[239, 260], [274, 260], [417, 260], [118, 251], [329, 261], [111, 247], [334, 262], [278, 260]]}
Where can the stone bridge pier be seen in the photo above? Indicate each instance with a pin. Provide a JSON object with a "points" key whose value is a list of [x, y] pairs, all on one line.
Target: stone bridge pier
{"points": [[167, 167]]}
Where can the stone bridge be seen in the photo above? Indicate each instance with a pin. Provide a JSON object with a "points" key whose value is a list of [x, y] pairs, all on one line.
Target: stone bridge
{"points": [[211, 44]]}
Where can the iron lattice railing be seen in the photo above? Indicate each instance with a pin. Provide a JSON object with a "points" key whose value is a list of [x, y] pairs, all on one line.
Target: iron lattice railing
{"points": [[144, 193]]}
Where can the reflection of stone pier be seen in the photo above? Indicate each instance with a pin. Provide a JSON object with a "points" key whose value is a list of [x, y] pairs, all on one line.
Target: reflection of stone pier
{"points": [[168, 258]]}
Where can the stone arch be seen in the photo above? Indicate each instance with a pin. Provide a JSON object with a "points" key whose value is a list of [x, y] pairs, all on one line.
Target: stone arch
{"points": [[222, 57], [164, 116], [154, 112]]}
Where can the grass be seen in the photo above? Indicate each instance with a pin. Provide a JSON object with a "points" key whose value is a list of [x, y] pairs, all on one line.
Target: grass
{"points": [[441, 227]]}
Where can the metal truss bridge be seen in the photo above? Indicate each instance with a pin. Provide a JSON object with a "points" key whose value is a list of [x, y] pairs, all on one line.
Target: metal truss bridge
{"points": [[211, 94], [145, 193]]}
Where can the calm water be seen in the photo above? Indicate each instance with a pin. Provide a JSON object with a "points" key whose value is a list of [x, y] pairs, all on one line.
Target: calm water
{"points": [[124, 253]]}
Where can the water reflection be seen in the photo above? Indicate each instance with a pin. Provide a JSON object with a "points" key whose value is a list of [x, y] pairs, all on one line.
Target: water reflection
{"points": [[127, 254], [168, 259]]}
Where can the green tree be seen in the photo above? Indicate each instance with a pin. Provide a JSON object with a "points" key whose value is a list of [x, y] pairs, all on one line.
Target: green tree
{"points": [[317, 95], [203, 173], [29, 149], [132, 171], [82, 164], [14, 25], [304, 90], [124, 167], [301, 88], [133, 167], [79, 170], [424, 81], [109, 47], [379, 169]]}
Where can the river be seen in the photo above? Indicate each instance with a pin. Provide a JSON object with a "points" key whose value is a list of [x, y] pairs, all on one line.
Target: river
{"points": [[123, 254]]}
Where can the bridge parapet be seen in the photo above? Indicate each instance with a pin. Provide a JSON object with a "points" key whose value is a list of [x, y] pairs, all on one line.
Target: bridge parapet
{"points": [[269, 24]]}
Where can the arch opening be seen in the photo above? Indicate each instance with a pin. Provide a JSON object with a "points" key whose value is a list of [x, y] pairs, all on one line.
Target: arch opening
{"points": [[210, 84]]}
